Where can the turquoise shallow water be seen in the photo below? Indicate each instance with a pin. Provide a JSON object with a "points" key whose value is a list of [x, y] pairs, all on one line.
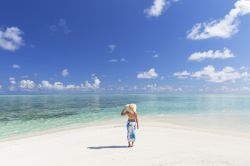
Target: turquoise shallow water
{"points": [[21, 114]]}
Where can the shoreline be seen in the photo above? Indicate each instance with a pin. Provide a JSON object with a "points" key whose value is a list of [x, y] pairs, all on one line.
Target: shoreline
{"points": [[175, 122], [56, 130]]}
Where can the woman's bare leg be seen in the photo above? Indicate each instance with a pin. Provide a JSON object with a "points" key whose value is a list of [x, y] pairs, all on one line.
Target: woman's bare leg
{"points": [[132, 144]]}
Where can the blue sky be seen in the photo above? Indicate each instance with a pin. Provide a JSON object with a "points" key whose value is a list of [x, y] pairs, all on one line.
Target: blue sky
{"points": [[151, 45]]}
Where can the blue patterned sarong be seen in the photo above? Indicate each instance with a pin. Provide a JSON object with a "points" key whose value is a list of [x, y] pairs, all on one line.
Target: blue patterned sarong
{"points": [[131, 128]]}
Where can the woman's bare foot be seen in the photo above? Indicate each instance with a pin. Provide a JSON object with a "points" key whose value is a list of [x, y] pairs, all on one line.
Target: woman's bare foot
{"points": [[132, 144]]}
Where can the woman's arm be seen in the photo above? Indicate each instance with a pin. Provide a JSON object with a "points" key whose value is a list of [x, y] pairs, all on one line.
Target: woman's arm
{"points": [[124, 112], [137, 122]]}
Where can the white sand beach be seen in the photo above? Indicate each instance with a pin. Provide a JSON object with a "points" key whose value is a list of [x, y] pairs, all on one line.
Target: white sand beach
{"points": [[158, 144]]}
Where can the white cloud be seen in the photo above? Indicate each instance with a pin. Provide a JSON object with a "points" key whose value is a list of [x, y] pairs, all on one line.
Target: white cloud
{"points": [[72, 87], [156, 9], [210, 74], [59, 86], [240, 89], [161, 88], [11, 39], [150, 74], [113, 60], [211, 54], [97, 82], [27, 84], [182, 75], [61, 26], [243, 68], [112, 47], [45, 85], [1, 86], [145, 88], [95, 85], [12, 85], [16, 66], [225, 89], [156, 56], [117, 60], [65, 72], [123, 60], [223, 28]]}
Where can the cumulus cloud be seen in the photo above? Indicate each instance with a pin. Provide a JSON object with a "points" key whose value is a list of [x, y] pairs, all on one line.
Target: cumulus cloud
{"points": [[12, 85], [11, 38], [27, 84], [223, 28], [61, 26], [95, 85], [16, 66], [65, 72], [182, 75], [45, 85], [59, 86], [210, 74], [150, 74], [211, 54], [112, 47], [72, 87], [156, 9]]}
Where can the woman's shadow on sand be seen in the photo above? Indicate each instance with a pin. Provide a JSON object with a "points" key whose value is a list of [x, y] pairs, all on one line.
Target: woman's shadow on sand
{"points": [[107, 147]]}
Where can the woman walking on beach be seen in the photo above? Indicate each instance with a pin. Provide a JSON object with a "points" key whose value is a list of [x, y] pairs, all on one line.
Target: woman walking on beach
{"points": [[132, 124]]}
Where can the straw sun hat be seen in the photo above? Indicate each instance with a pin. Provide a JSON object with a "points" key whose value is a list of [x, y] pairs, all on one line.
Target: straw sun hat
{"points": [[131, 107]]}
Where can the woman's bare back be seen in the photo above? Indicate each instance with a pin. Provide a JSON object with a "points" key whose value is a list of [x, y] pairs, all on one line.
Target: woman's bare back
{"points": [[131, 115]]}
